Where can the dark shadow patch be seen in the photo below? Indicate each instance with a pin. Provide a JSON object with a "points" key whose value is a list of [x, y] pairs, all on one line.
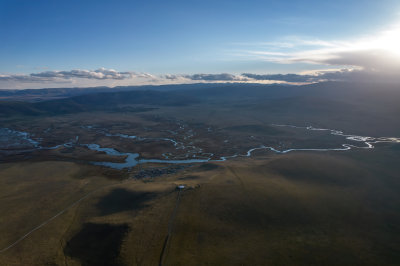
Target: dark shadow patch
{"points": [[97, 244], [189, 177], [120, 200], [208, 166], [318, 170]]}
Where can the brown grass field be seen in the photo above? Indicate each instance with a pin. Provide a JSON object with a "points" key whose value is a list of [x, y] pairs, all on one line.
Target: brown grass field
{"points": [[271, 210]]}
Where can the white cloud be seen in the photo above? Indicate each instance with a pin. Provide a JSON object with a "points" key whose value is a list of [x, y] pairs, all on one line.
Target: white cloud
{"points": [[214, 77], [75, 77], [112, 78], [378, 52], [100, 73]]}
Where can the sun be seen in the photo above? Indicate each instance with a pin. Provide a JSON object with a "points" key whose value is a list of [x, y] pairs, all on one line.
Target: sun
{"points": [[389, 40]]}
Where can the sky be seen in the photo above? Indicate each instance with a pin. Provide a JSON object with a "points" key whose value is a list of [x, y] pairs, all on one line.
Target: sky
{"points": [[93, 43]]}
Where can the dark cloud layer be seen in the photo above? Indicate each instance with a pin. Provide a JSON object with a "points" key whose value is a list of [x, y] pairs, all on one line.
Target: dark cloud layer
{"points": [[206, 77], [281, 77], [339, 75]]}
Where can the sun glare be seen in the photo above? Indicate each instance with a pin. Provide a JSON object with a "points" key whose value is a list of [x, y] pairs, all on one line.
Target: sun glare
{"points": [[389, 40], [392, 40]]}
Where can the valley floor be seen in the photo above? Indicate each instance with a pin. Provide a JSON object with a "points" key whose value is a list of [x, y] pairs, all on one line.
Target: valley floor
{"points": [[63, 203]]}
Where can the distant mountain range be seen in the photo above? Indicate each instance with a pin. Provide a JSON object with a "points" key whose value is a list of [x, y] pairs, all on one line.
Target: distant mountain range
{"points": [[369, 106], [36, 95]]}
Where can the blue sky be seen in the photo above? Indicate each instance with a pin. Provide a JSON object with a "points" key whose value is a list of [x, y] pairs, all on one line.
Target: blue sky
{"points": [[182, 37]]}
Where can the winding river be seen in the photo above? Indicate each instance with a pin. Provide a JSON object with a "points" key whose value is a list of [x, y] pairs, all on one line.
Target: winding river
{"points": [[132, 159], [198, 156]]}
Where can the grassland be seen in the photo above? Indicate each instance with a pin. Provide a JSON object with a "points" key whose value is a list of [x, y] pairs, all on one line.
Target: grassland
{"points": [[279, 212], [301, 208], [295, 209]]}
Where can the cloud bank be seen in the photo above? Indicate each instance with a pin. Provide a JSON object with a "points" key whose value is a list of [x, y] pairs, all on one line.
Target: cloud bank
{"points": [[111, 78], [318, 76], [378, 53], [76, 77], [99, 74]]}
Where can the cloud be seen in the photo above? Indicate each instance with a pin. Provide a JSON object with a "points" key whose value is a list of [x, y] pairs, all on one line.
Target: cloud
{"points": [[377, 60], [356, 75], [378, 52], [214, 77], [222, 77], [112, 78], [281, 77], [109, 77], [98, 74], [77, 78], [103, 74]]}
